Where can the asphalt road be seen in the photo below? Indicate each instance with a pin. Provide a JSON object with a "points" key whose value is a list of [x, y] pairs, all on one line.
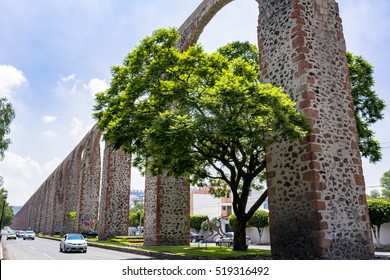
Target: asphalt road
{"points": [[46, 249]]}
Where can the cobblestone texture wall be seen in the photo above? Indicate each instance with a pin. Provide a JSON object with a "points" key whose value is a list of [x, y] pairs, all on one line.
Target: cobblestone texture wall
{"points": [[167, 211], [72, 187], [115, 194], [316, 190]]}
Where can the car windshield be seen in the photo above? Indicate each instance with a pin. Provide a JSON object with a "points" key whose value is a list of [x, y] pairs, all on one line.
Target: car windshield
{"points": [[75, 237], [29, 232]]}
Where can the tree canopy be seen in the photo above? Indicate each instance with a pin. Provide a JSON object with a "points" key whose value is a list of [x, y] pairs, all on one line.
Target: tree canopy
{"points": [[7, 114], [369, 107], [385, 184], [136, 214], [6, 211], [197, 220], [203, 115]]}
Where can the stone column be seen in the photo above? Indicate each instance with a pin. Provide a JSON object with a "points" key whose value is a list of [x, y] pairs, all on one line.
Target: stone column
{"points": [[115, 194], [59, 199], [89, 180], [167, 210], [72, 189], [316, 189]]}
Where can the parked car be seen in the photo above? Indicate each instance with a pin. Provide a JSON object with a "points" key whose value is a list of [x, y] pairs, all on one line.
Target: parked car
{"points": [[11, 234], [196, 237], [19, 233], [73, 242], [29, 234], [227, 239]]}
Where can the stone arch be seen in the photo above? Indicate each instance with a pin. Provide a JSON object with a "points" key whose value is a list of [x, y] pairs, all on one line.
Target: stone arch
{"points": [[193, 27], [302, 49], [316, 189]]}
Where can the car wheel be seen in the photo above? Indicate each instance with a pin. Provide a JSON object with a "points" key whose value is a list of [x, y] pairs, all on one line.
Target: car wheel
{"points": [[60, 249]]}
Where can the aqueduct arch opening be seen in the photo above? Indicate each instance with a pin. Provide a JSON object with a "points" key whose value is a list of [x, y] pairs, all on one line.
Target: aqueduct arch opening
{"points": [[316, 189]]}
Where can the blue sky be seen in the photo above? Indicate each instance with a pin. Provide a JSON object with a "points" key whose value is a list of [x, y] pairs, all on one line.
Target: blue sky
{"points": [[55, 55]]}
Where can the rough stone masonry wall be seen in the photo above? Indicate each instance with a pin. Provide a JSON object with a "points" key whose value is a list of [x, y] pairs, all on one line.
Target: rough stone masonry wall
{"points": [[316, 190], [72, 187], [115, 194], [167, 211]]}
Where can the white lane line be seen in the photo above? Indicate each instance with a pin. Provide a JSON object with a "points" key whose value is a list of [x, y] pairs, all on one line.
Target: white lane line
{"points": [[32, 247], [47, 256]]}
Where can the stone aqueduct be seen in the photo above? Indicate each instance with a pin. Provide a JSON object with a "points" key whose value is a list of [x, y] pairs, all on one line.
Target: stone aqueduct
{"points": [[316, 189]]}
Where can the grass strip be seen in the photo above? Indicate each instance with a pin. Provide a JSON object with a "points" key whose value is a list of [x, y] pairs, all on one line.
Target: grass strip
{"points": [[214, 252]]}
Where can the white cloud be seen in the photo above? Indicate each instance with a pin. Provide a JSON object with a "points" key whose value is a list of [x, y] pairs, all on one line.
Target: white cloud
{"points": [[68, 78], [24, 175], [78, 129], [69, 83], [50, 134], [49, 119], [10, 77], [96, 85], [51, 165]]}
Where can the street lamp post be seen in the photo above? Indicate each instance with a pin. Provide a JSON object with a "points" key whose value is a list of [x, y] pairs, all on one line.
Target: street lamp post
{"points": [[2, 215]]}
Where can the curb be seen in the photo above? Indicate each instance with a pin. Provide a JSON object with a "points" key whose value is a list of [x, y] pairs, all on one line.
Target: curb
{"points": [[138, 251]]}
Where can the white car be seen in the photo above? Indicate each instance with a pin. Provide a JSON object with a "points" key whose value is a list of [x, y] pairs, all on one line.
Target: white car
{"points": [[29, 234], [73, 242]]}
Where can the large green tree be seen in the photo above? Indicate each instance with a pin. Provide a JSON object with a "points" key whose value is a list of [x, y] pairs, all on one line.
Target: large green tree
{"points": [[369, 108], [6, 211], [198, 114], [7, 114], [385, 184]]}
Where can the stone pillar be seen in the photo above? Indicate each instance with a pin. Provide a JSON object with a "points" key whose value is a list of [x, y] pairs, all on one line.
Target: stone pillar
{"points": [[89, 181], [59, 199], [35, 210], [167, 210], [316, 189], [72, 189], [115, 194], [49, 215]]}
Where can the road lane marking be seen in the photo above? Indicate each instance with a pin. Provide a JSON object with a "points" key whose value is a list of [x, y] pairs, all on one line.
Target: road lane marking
{"points": [[32, 247], [47, 256]]}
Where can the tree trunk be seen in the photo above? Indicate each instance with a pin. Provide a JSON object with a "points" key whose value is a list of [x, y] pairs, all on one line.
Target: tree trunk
{"points": [[376, 231], [239, 242], [260, 234]]}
